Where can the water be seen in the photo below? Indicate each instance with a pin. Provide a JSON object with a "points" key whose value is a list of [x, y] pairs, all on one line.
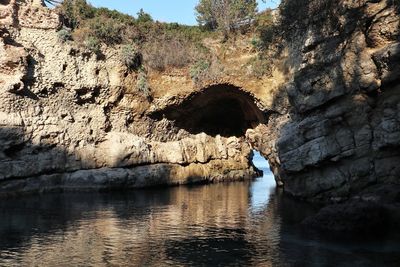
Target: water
{"points": [[236, 224]]}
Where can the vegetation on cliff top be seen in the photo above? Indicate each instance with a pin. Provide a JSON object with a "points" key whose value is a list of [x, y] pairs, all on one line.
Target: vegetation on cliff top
{"points": [[164, 45], [227, 16]]}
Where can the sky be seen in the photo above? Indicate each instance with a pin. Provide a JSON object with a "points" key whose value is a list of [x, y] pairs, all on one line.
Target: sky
{"points": [[181, 11], [259, 161]]}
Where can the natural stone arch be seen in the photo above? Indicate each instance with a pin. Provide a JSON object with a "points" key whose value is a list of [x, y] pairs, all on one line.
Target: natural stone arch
{"points": [[226, 110]]}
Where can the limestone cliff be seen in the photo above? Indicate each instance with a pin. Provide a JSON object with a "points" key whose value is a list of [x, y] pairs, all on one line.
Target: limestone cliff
{"points": [[326, 117], [343, 133], [70, 120]]}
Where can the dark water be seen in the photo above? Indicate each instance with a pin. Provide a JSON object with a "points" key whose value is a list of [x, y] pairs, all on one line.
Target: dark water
{"points": [[237, 224]]}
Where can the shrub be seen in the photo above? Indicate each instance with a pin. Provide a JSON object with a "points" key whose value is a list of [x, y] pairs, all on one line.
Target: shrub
{"points": [[106, 30], [256, 43], [198, 69], [93, 44], [260, 66], [76, 11], [142, 84], [115, 15], [205, 70], [143, 17], [225, 15], [166, 52], [64, 34], [265, 29], [130, 57], [153, 55]]}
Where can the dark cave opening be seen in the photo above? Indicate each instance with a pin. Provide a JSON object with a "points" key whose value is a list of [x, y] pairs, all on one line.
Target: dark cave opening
{"points": [[221, 109]]}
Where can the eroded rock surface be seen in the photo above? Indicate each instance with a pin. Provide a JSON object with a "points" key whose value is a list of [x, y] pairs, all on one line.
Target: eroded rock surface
{"points": [[327, 118], [343, 133], [69, 120]]}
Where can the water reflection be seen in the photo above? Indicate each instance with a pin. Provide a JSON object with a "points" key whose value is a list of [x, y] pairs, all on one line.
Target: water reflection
{"points": [[179, 226], [236, 224]]}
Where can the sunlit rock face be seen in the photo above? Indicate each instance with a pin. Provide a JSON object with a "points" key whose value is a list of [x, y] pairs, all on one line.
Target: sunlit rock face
{"points": [[326, 119], [70, 121]]}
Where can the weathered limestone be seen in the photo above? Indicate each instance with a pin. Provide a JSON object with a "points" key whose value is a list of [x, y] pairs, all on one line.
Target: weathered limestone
{"points": [[129, 178], [344, 126], [69, 121], [327, 119]]}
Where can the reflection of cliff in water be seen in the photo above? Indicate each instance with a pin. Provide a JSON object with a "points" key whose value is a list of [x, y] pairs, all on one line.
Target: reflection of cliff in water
{"points": [[218, 224], [178, 225]]}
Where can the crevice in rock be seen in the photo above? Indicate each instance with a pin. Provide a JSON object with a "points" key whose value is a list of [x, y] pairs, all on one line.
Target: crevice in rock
{"points": [[87, 95], [4, 2], [12, 151]]}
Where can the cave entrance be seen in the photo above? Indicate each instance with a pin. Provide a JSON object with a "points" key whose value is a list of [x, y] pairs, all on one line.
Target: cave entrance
{"points": [[221, 109]]}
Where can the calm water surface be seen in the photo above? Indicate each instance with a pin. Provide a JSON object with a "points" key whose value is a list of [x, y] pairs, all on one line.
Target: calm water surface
{"points": [[237, 224]]}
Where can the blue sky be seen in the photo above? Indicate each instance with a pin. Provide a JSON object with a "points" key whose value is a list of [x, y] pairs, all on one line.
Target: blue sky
{"points": [[259, 161], [181, 11]]}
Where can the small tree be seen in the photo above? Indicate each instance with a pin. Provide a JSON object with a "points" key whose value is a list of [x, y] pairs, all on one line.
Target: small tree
{"points": [[76, 11], [143, 16], [225, 15]]}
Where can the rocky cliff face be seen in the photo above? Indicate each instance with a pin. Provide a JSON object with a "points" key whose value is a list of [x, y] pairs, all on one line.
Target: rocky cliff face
{"points": [[343, 133], [70, 120], [327, 118]]}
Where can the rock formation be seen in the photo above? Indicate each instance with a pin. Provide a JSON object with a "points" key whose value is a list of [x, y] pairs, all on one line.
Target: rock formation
{"points": [[327, 118], [71, 121], [343, 133]]}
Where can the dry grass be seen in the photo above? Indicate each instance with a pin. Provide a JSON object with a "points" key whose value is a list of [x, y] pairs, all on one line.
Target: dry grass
{"points": [[164, 53]]}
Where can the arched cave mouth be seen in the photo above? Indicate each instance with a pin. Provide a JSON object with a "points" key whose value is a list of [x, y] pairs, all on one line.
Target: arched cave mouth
{"points": [[221, 109]]}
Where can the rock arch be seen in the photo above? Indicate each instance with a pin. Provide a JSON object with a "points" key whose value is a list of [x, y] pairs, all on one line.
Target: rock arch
{"points": [[226, 110]]}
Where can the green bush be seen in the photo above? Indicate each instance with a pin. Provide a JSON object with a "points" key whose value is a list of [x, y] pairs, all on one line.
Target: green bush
{"points": [[106, 30], [143, 17], [115, 15], [76, 11], [265, 30], [227, 16], [130, 57], [256, 43], [64, 34], [93, 44], [142, 84]]}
